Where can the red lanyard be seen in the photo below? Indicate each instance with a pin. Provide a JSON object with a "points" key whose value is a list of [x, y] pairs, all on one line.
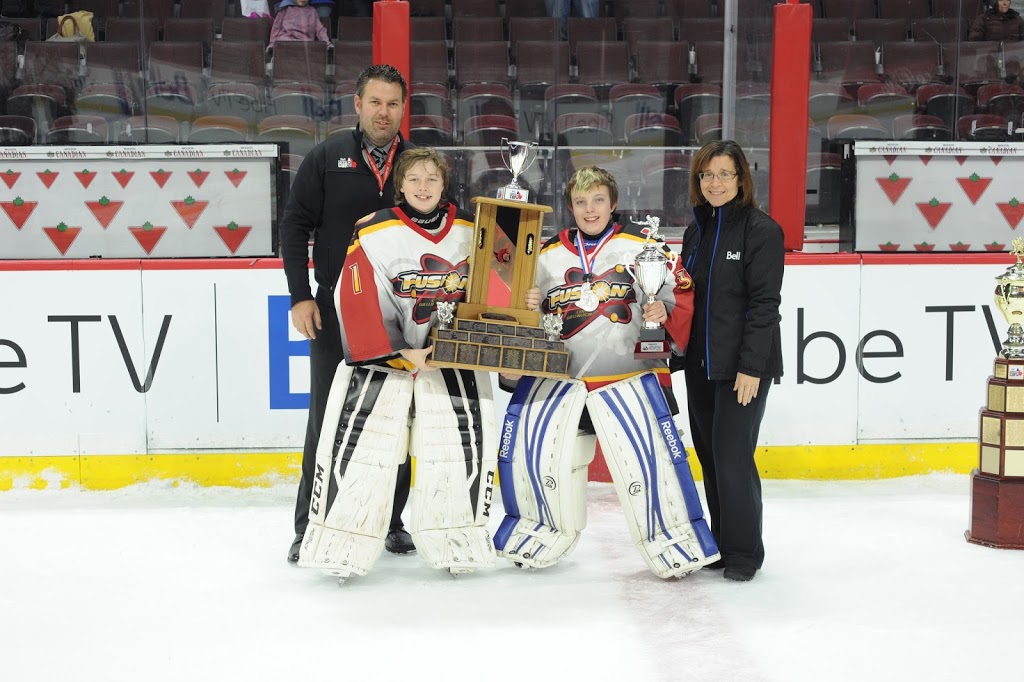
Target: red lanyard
{"points": [[382, 176]]}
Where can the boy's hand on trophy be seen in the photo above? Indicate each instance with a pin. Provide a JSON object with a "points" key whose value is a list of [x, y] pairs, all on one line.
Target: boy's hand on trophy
{"points": [[533, 299], [418, 357], [655, 312]]}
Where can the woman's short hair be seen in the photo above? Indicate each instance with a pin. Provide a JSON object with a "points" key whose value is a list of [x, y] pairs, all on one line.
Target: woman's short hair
{"points": [[702, 160], [589, 177], [409, 157]]}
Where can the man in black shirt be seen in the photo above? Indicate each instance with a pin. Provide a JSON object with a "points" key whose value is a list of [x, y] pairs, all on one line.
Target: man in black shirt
{"points": [[343, 179]]}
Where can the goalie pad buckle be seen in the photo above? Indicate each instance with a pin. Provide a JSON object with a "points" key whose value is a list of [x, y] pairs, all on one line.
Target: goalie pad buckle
{"points": [[652, 477]]}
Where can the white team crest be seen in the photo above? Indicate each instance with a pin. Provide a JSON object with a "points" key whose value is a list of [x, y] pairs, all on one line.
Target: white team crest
{"points": [[346, 162]]}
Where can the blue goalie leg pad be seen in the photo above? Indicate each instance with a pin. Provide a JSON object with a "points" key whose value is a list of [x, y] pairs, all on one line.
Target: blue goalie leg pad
{"points": [[667, 428]]}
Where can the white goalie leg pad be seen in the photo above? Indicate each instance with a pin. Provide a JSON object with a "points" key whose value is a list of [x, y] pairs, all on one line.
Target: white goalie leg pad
{"points": [[652, 476], [454, 442], [543, 471], [364, 438]]}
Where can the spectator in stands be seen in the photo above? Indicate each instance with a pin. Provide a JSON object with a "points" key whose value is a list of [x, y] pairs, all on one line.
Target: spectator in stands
{"points": [[997, 22], [341, 180], [735, 254], [588, 9], [297, 20]]}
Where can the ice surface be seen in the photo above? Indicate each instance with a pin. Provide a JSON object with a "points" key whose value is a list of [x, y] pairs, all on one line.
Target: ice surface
{"points": [[862, 581]]}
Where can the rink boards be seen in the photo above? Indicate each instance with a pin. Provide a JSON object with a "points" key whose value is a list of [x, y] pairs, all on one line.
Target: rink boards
{"points": [[119, 371]]}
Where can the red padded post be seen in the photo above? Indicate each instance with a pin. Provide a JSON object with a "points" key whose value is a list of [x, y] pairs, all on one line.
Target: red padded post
{"points": [[391, 42], [791, 78]]}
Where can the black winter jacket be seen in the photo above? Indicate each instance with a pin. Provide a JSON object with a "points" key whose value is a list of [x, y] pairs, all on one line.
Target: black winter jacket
{"points": [[991, 25], [333, 188], [736, 320]]}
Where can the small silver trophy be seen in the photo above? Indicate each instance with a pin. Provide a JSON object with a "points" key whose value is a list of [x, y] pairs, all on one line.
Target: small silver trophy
{"points": [[650, 271], [517, 157], [552, 324], [445, 313]]}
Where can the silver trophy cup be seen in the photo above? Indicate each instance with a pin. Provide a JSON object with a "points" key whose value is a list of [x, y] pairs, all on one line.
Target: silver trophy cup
{"points": [[650, 271], [517, 157]]}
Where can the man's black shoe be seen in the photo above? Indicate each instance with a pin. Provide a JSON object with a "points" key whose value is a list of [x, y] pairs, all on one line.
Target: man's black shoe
{"points": [[293, 553], [740, 573], [716, 565], [398, 541]]}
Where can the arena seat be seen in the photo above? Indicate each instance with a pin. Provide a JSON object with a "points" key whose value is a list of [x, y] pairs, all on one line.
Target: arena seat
{"points": [[983, 128], [244, 29], [662, 64], [219, 129], [830, 30], [920, 127], [910, 64], [358, 29], [431, 131], [626, 99], [350, 58], [880, 31], [653, 130], [903, 9], [17, 131], [689, 9], [938, 30]]}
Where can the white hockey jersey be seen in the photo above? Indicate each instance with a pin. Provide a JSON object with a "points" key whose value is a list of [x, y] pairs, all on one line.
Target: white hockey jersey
{"points": [[394, 272], [601, 342]]}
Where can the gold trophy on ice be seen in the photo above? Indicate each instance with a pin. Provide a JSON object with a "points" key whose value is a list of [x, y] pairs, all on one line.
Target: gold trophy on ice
{"points": [[997, 484]]}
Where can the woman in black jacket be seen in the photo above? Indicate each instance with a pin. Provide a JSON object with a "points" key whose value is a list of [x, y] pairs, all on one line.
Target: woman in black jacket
{"points": [[735, 254], [997, 22]]}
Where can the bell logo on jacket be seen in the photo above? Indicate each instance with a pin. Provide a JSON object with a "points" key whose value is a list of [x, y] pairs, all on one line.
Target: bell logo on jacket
{"points": [[732, 255]]}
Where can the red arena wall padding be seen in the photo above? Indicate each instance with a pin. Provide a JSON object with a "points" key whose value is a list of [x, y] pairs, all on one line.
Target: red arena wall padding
{"points": [[791, 76], [391, 42]]}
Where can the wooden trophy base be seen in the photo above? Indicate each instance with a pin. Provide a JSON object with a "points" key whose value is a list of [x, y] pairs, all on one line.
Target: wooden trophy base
{"points": [[499, 345], [997, 511]]}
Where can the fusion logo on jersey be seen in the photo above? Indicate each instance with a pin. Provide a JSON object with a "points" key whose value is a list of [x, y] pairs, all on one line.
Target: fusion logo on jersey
{"points": [[435, 278], [614, 290]]}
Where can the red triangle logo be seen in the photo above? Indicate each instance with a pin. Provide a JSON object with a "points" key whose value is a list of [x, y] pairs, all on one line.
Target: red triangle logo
{"points": [[147, 238], [62, 239], [996, 160], [889, 158], [974, 186], [233, 236], [925, 158], [48, 177], [85, 177], [236, 176], [960, 247], [995, 246], [198, 176], [104, 212], [160, 176], [190, 212], [933, 213], [123, 177], [960, 159], [1012, 211], [10, 177], [18, 213], [893, 186]]}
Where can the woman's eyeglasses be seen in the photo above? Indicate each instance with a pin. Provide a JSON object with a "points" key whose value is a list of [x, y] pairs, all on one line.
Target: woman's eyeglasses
{"points": [[724, 176]]}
